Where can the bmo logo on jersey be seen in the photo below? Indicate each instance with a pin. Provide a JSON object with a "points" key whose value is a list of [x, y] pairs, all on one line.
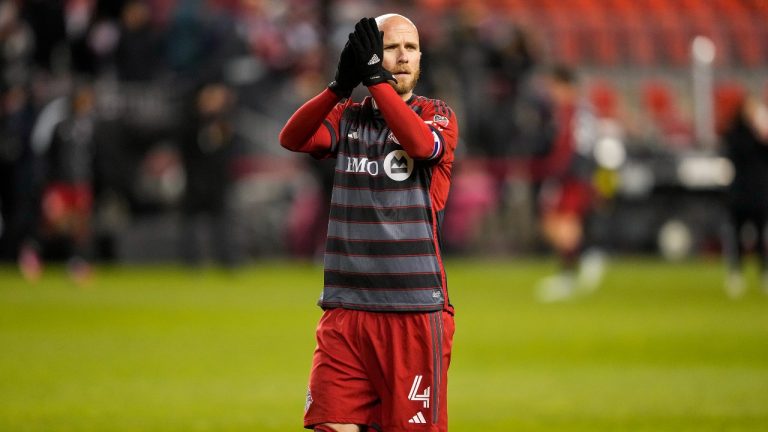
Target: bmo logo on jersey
{"points": [[397, 165], [362, 165]]}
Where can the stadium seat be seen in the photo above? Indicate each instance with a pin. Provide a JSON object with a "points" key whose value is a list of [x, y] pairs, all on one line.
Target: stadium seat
{"points": [[610, 33], [657, 98], [603, 36], [566, 46], [662, 108], [520, 11], [604, 98], [747, 40], [433, 5], [640, 44], [674, 39]]}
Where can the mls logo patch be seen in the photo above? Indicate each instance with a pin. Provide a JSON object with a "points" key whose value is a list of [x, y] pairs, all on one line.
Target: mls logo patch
{"points": [[398, 165], [440, 120]]}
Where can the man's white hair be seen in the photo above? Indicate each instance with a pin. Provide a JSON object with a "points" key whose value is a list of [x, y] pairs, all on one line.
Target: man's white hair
{"points": [[381, 18]]}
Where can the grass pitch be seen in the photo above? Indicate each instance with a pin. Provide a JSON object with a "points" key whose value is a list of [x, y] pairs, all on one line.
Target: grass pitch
{"points": [[658, 348]]}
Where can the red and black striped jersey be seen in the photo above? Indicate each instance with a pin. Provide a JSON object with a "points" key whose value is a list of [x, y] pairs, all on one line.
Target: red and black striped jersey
{"points": [[383, 246]]}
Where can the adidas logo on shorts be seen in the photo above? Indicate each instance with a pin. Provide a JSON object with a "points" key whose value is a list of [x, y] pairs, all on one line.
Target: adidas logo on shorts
{"points": [[418, 418]]}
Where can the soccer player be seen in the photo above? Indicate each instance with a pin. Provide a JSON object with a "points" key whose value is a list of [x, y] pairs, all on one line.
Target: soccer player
{"points": [[565, 195], [384, 340]]}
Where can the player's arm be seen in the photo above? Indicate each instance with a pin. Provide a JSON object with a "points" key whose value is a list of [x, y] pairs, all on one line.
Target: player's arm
{"points": [[416, 137], [305, 131]]}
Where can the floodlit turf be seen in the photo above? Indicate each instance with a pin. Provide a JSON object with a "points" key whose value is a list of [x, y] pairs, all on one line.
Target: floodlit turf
{"points": [[658, 348]]}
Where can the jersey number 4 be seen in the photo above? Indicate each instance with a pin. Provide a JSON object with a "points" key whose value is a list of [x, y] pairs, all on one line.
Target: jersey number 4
{"points": [[414, 396]]}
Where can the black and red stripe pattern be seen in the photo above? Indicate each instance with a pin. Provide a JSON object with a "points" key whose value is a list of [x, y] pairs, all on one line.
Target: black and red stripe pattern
{"points": [[382, 251]]}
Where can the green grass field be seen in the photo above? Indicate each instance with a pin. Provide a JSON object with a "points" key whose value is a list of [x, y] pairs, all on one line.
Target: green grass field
{"points": [[658, 348]]}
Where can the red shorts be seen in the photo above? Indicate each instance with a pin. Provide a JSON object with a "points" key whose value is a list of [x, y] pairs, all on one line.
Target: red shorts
{"points": [[387, 370], [66, 200]]}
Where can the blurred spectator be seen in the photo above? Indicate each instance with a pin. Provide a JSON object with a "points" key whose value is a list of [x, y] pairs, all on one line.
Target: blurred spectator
{"points": [[493, 59], [565, 193], [207, 139], [199, 41], [17, 46], [137, 54], [46, 19], [146, 59], [745, 137], [497, 56], [67, 201], [78, 19], [19, 172], [186, 38]]}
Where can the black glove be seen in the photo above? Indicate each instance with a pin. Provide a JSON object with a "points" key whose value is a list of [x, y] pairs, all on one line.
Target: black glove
{"points": [[368, 45], [347, 76]]}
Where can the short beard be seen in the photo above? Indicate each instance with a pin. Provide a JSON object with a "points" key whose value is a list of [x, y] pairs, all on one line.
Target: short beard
{"points": [[402, 88]]}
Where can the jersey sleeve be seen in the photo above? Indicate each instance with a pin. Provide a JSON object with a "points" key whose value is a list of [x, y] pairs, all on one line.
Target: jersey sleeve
{"points": [[409, 128], [331, 124], [444, 128], [314, 127]]}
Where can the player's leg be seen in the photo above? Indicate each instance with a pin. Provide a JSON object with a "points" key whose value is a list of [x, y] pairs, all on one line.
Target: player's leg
{"points": [[592, 259], [340, 395], [761, 225], [734, 251], [563, 230], [447, 325], [563, 223]]}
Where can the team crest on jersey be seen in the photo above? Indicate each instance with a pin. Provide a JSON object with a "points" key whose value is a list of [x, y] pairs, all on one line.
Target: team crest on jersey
{"points": [[398, 165], [440, 120]]}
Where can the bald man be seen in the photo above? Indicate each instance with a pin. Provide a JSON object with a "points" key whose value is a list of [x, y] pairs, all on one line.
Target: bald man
{"points": [[384, 340]]}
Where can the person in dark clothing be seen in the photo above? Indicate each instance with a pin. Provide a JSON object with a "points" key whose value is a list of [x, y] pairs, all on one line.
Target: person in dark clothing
{"points": [[137, 55], [207, 140], [67, 201], [19, 166], [745, 138]]}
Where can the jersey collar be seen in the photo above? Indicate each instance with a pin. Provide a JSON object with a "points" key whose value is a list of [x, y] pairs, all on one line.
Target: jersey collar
{"points": [[375, 106]]}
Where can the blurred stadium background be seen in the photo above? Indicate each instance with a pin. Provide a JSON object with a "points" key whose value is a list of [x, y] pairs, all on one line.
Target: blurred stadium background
{"points": [[145, 66], [171, 110]]}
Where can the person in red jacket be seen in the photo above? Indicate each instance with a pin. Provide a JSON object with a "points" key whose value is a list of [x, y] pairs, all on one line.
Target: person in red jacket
{"points": [[384, 340]]}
